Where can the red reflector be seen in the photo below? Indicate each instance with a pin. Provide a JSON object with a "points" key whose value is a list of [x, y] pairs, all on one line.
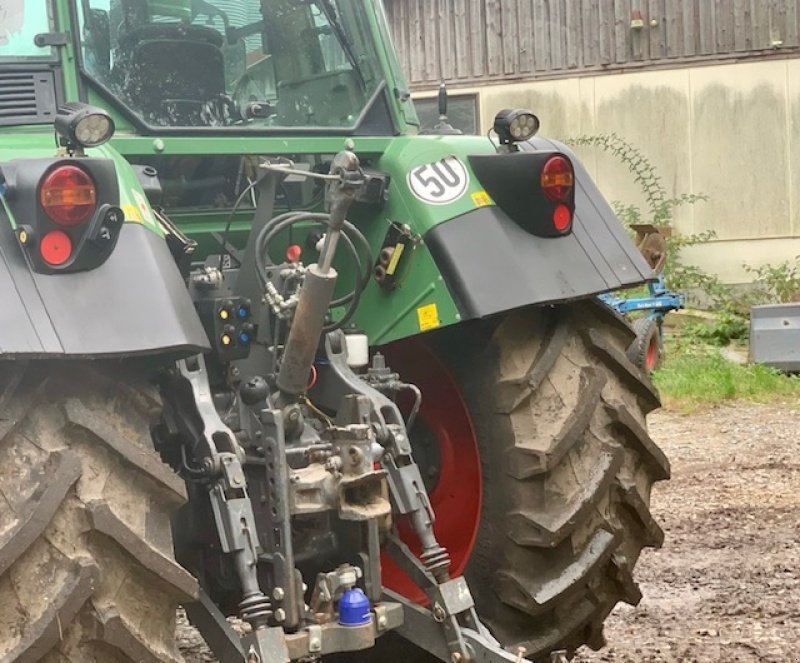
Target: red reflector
{"points": [[55, 247], [293, 253], [562, 218], [557, 179], [68, 195]]}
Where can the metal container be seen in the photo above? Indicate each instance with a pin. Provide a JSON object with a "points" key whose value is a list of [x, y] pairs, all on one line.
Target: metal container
{"points": [[775, 336]]}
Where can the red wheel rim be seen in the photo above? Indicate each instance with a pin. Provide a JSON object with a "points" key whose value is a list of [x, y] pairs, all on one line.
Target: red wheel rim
{"points": [[651, 359], [456, 499]]}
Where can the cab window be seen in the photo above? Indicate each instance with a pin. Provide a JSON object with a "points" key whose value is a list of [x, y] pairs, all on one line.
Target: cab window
{"points": [[244, 64], [20, 22]]}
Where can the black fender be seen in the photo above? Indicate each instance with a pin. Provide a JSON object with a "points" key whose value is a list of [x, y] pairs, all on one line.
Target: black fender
{"points": [[135, 303], [490, 264]]}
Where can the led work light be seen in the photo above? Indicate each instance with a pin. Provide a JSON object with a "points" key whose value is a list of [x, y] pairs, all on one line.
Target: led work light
{"points": [[81, 125], [514, 126]]}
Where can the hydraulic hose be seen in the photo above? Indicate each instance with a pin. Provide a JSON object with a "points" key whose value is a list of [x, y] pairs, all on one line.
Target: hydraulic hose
{"points": [[362, 263]]}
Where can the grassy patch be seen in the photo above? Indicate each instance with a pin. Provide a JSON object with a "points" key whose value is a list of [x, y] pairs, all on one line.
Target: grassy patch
{"points": [[694, 376]]}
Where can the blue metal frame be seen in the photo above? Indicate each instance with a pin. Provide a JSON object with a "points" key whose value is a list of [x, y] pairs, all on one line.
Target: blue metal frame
{"points": [[660, 302]]}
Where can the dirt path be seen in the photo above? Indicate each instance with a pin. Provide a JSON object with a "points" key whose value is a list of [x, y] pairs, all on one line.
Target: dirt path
{"points": [[726, 586]]}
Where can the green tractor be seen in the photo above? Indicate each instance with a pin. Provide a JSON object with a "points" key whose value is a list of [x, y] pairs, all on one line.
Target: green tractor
{"points": [[270, 353]]}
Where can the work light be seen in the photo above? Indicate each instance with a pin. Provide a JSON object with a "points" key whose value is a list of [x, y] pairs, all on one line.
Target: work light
{"points": [[81, 125], [514, 126]]}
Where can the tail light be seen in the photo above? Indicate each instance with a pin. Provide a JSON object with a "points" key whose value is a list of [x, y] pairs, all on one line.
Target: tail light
{"points": [[55, 248], [66, 211], [534, 187], [68, 195], [562, 218], [558, 186], [558, 179]]}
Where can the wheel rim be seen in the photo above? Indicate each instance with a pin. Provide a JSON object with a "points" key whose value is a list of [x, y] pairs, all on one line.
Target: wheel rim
{"points": [[456, 498], [651, 359]]}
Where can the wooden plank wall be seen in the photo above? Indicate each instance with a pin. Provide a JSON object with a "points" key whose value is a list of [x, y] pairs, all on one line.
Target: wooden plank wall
{"points": [[475, 40]]}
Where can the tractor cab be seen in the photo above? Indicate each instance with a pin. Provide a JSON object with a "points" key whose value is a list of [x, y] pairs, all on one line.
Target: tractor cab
{"points": [[253, 65]]}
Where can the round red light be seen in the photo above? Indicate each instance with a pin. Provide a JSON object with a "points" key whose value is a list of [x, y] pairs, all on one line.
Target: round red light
{"points": [[293, 253], [55, 247], [68, 195], [562, 218], [558, 179]]}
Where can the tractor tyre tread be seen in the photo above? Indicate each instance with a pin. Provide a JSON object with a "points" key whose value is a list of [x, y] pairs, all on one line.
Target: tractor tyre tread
{"points": [[87, 572], [559, 413]]}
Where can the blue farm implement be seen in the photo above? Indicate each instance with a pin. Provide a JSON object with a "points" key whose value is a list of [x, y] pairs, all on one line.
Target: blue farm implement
{"points": [[648, 348]]}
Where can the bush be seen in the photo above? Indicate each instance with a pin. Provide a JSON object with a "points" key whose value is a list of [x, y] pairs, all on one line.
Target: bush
{"points": [[778, 283]]}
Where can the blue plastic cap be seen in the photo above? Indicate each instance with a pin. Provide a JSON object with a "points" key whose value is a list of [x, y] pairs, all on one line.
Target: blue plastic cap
{"points": [[244, 338], [354, 608]]}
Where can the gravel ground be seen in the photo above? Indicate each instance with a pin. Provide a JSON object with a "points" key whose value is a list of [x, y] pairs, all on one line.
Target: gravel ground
{"points": [[726, 586]]}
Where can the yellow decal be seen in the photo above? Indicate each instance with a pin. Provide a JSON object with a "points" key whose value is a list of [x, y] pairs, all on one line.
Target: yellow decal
{"points": [[481, 199], [392, 266], [132, 213], [144, 207], [428, 317]]}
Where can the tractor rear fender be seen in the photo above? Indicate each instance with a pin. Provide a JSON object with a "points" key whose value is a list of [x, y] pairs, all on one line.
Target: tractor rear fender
{"points": [[121, 296], [491, 264]]}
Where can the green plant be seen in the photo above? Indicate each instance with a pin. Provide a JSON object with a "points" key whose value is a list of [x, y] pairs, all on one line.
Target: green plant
{"points": [[695, 375], [778, 283], [772, 284], [726, 326], [661, 208]]}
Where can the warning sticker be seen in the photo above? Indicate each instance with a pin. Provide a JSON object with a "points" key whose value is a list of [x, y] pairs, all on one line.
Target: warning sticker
{"points": [[132, 213], [144, 208], [481, 199], [428, 317]]}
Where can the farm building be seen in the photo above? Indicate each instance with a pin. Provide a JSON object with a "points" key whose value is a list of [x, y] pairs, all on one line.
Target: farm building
{"points": [[708, 89]]}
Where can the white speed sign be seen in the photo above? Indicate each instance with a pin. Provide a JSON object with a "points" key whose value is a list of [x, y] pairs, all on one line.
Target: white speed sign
{"points": [[439, 182]]}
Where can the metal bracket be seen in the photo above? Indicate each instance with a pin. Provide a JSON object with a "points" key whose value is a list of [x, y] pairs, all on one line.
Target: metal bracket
{"points": [[219, 635], [51, 39], [266, 645], [452, 607], [421, 627], [330, 587], [277, 525]]}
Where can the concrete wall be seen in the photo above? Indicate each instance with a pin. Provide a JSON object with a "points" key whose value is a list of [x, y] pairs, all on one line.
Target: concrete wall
{"points": [[729, 131]]}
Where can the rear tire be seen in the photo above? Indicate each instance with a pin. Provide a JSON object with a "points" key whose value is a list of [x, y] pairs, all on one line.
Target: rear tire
{"points": [[567, 467], [87, 573], [559, 414]]}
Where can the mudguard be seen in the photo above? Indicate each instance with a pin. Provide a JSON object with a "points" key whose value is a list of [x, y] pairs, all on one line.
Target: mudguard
{"points": [[135, 303], [490, 264]]}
